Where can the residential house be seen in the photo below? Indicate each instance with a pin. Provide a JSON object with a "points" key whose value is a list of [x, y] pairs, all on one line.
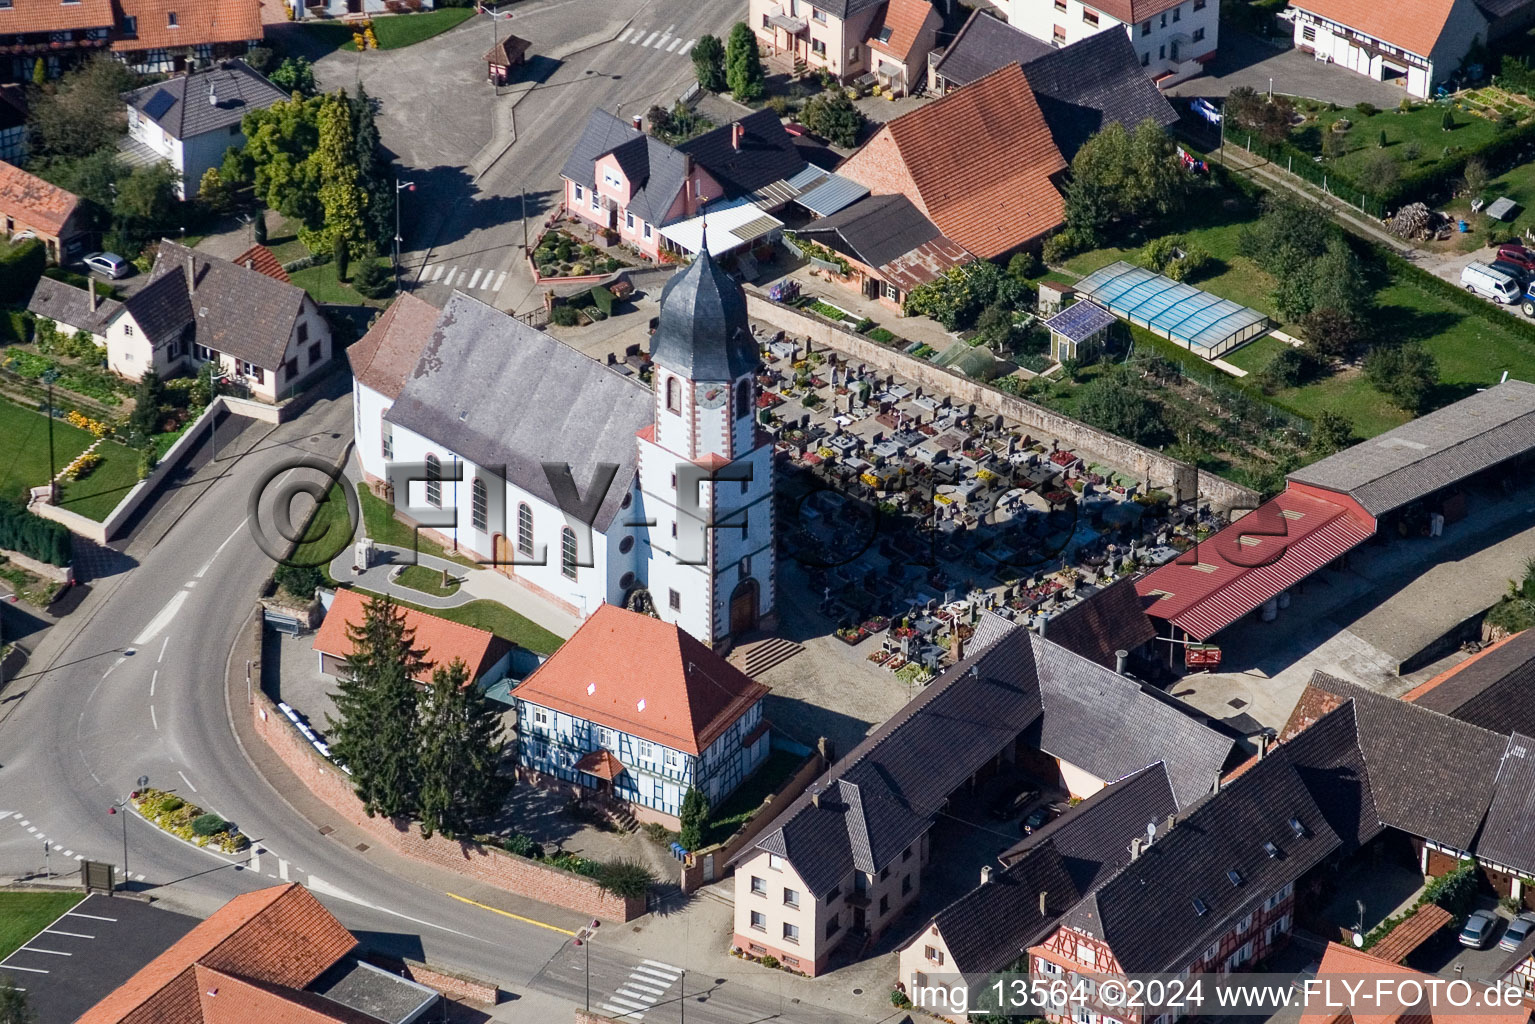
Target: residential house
{"points": [[72, 309], [901, 36], [983, 44], [889, 246], [826, 34], [932, 156], [268, 338], [492, 402], [340, 8], [275, 954], [441, 642], [191, 120], [32, 208], [57, 34], [636, 709], [652, 196], [1416, 44], [846, 858], [1173, 39], [381, 360], [13, 122], [167, 36], [1343, 965]]}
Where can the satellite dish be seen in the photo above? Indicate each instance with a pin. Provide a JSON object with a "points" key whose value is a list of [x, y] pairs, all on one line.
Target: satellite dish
{"points": [[1358, 941]]}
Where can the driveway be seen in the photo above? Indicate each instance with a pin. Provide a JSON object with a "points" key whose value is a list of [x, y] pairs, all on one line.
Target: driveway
{"points": [[1247, 60]]}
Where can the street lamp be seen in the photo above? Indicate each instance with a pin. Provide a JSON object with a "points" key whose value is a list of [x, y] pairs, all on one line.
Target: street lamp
{"points": [[122, 807], [584, 940], [49, 376], [399, 186]]}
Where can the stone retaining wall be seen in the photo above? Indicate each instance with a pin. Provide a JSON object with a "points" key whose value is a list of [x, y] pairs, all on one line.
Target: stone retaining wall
{"points": [[1154, 469]]}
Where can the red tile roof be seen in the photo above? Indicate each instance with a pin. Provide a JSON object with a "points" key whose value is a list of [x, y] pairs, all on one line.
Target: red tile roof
{"points": [[385, 356], [197, 22], [1132, 12], [1411, 933], [279, 936], [977, 162], [1342, 963], [1414, 25], [262, 260], [649, 679], [34, 203], [25, 16], [1262, 554], [910, 22], [440, 639], [602, 764]]}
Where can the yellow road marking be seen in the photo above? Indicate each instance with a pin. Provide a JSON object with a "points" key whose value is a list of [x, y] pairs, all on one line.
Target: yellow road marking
{"points": [[508, 913]]}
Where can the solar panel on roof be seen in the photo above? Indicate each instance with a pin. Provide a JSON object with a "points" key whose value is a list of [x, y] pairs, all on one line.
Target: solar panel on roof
{"points": [[159, 103]]}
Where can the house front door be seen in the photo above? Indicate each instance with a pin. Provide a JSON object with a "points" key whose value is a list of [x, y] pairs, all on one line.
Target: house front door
{"points": [[857, 919]]}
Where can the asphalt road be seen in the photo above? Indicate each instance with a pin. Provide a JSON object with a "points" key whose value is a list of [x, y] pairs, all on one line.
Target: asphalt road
{"points": [[132, 683]]}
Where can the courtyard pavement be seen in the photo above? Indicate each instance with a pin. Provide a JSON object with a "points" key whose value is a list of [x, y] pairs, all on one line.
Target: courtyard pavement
{"points": [[1247, 60]]}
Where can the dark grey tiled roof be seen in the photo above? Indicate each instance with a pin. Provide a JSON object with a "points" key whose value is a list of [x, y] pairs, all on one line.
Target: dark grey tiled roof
{"points": [[991, 628], [1429, 775], [500, 393], [1147, 911], [984, 44], [874, 230], [235, 310], [603, 133], [1432, 451], [702, 331], [845, 9], [187, 110], [989, 927], [1111, 620], [1095, 835], [1508, 835], [1496, 691], [907, 769], [1093, 82], [71, 306], [1331, 765], [767, 153], [656, 171], [161, 308], [1104, 723]]}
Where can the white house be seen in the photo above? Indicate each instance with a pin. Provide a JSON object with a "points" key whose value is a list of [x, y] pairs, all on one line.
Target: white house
{"points": [[190, 121], [1415, 44], [338, 8], [72, 309], [1173, 38], [267, 337], [573, 479], [638, 710]]}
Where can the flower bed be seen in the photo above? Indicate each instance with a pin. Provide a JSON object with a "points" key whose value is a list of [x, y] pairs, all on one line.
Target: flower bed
{"points": [[560, 254], [187, 821]]}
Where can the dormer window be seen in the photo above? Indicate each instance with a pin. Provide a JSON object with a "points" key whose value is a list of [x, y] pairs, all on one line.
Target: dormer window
{"points": [[170, 19], [130, 25]]}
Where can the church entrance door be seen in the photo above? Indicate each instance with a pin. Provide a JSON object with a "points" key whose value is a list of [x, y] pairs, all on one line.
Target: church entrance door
{"points": [[743, 607], [501, 552]]}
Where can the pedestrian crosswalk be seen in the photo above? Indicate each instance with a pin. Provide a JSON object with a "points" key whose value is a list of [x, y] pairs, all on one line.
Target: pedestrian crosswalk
{"points": [[463, 278], [647, 984], [657, 39]]}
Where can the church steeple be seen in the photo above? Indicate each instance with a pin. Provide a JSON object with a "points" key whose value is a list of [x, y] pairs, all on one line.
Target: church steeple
{"points": [[703, 332]]}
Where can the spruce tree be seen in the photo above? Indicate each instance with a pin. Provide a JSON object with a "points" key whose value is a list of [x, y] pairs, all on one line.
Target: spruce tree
{"points": [[461, 745], [709, 63], [372, 172], [694, 818], [377, 728], [743, 64]]}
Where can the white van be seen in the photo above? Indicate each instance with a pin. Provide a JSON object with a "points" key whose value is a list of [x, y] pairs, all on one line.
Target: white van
{"points": [[1490, 284]]}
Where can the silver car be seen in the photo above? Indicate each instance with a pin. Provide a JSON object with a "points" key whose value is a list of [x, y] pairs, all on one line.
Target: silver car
{"points": [[1479, 929], [1519, 929], [108, 263]]}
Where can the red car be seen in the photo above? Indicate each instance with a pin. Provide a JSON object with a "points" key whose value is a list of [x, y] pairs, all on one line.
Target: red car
{"points": [[1519, 256]]}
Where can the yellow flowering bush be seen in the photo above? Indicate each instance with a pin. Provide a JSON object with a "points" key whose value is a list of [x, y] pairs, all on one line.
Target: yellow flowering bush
{"points": [[172, 814], [82, 466], [84, 422]]}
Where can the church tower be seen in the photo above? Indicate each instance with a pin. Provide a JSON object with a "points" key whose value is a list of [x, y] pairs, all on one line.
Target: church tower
{"points": [[706, 472]]}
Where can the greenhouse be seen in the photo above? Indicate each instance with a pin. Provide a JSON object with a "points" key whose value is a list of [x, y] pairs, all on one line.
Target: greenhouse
{"points": [[1205, 324]]}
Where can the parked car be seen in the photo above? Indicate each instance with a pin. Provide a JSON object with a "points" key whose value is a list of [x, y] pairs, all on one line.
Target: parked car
{"points": [[108, 263], [1479, 929], [1490, 284], [1519, 929], [1518, 255], [1010, 804], [1513, 270], [1038, 818]]}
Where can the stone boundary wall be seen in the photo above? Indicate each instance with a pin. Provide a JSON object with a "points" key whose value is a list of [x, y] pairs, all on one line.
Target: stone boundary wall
{"points": [[470, 859], [692, 875], [1157, 470], [454, 986], [58, 574]]}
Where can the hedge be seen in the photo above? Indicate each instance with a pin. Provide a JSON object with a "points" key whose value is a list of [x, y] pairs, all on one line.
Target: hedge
{"points": [[33, 536], [603, 300], [21, 264], [1467, 302]]}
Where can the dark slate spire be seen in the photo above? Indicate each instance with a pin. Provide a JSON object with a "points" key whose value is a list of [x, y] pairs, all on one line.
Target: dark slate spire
{"points": [[703, 334]]}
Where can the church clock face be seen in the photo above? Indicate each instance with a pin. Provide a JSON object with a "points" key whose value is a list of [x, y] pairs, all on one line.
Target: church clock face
{"points": [[712, 394]]}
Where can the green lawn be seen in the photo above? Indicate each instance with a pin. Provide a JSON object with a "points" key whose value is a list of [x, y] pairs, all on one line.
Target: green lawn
{"points": [[386, 528], [1420, 128], [322, 285], [428, 581], [24, 462], [740, 805], [493, 618], [324, 533], [393, 31], [24, 914]]}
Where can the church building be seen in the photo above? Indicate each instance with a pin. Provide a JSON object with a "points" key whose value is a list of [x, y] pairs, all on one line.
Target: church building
{"points": [[577, 481]]}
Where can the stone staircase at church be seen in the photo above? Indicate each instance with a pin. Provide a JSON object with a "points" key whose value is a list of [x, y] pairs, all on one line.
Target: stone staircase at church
{"points": [[756, 658]]}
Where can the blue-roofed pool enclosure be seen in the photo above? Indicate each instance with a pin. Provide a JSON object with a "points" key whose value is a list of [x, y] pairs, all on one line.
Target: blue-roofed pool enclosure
{"points": [[1205, 324]]}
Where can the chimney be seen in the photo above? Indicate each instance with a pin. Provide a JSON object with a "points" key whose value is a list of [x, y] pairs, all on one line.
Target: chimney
{"points": [[639, 123], [250, 264], [1172, 819], [985, 874], [1042, 620], [191, 274], [815, 797], [1135, 848], [1263, 744], [1120, 657], [213, 96], [90, 290], [1151, 834], [736, 131], [1042, 894]]}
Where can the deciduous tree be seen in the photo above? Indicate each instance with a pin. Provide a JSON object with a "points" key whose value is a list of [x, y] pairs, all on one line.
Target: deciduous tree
{"points": [[1331, 432], [1123, 177], [1405, 373], [84, 113], [13, 1004], [832, 115], [461, 746]]}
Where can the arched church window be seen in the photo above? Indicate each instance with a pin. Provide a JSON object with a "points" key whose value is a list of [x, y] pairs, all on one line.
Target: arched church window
{"points": [[568, 552], [433, 481], [673, 395]]}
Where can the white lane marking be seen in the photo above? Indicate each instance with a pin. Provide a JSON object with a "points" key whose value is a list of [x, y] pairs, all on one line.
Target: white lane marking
{"points": [[627, 33], [190, 584], [686, 47], [186, 780], [629, 1003], [79, 856], [282, 869], [324, 888], [163, 645], [153, 679], [674, 44], [649, 987], [652, 39], [69, 853], [448, 280], [475, 280], [32, 829], [108, 672], [153, 720], [72, 935], [647, 972], [501, 280], [24, 821], [220, 550], [29, 970], [6, 814], [163, 619], [53, 952], [665, 967], [254, 864], [138, 878], [639, 37], [436, 272], [630, 993], [621, 1012], [93, 917]]}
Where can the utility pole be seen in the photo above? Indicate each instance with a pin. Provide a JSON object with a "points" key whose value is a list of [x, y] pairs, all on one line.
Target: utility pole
{"points": [[523, 207], [51, 375], [399, 186]]}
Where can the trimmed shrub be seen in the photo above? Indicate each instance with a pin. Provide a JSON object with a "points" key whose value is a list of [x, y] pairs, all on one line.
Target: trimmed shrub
{"points": [[32, 535], [208, 825], [520, 845], [603, 300], [564, 316], [21, 264], [626, 878]]}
